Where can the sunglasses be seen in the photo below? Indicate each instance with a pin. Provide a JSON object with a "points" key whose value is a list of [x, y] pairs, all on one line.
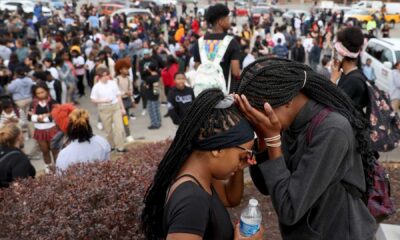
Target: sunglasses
{"points": [[250, 153]]}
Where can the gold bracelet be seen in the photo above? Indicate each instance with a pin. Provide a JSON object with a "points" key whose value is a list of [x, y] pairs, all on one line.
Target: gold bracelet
{"points": [[274, 145], [272, 139]]}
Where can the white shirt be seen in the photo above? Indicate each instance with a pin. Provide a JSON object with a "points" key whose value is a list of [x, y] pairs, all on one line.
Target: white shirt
{"points": [[297, 23], [248, 59], [90, 64], [79, 61], [277, 36], [98, 149], [308, 44], [108, 90], [53, 71]]}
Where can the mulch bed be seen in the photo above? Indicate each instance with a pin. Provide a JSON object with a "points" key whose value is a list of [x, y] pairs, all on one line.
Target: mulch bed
{"points": [[270, 219]]}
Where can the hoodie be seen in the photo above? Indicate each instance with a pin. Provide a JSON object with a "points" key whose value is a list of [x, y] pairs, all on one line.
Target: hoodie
{"points": [[21, 88]]}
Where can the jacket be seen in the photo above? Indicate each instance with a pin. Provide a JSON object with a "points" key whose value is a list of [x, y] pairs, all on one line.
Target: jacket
{"points": [[168, 75], [306, 183], [21, 88], [15, 165], [299, 54]]}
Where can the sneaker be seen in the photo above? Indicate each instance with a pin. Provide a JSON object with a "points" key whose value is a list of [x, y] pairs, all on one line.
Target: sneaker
{"points": [[121, 150], [153, 127], [100, 126], [132, 116], [166, 115], [144, 113], [130, 139], [47, 169]]}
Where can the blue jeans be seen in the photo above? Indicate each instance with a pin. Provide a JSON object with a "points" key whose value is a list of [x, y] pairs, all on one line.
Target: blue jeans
{"points": [[154, 112]]}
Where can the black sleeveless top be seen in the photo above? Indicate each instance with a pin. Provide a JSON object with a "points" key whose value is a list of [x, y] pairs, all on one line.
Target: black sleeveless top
{"points": [[191, 209]]}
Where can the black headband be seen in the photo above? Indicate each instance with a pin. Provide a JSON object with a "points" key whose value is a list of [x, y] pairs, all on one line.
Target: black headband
{"points": [[239, 134]]}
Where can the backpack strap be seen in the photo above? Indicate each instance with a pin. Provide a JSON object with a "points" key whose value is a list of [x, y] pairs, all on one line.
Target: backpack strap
{"points": [[315, 122], [222, 47], [202, 50], [5, 156]]}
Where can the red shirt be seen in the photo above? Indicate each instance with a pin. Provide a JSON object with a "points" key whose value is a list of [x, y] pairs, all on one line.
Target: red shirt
{"points": [[168, 75]]}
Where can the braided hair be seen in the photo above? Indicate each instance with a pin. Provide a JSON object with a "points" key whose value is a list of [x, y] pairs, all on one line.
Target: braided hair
{"points": [[201, 121], [278, 81]]}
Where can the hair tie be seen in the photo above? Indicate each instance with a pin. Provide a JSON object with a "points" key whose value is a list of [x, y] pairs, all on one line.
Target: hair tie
{"points": [[305, 79], [225, 103]]}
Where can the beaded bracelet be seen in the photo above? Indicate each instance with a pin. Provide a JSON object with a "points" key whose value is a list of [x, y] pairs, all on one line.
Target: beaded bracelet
{"points": [[274, 145], [272, 139]]}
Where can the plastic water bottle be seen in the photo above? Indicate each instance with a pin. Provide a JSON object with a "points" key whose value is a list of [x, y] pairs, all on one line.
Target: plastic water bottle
{"points": [[250, 219]]}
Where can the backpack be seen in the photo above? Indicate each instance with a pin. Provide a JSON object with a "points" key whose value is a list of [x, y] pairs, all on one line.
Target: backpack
{"points": [[385, 123], [210, 74], [378, 200]]}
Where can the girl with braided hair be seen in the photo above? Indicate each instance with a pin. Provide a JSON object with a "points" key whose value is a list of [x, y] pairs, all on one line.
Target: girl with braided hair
{"points": [[315, 159], [187, 200]]}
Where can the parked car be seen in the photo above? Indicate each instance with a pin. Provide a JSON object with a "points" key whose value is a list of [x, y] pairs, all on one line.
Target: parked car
{"points": [[109, 8], [384, 53], [258, 12], [277, 11], [287, 16], [27, 6], [133, 12], [361, 15]]}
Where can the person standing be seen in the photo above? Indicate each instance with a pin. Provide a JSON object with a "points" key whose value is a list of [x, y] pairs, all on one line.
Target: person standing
{"points": [[298, 52], [125, 84], [314, 154], [152, 91], [369, 71], [180, 98], [79, 64], [107, 96], [45, 128], [345, 72], [21, 88], [315, 55], [218, 16], [280, 50], [395, 87]]}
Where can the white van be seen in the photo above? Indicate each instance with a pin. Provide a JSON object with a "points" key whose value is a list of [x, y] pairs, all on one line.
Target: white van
{"points": [[384, 53], [368, 4]]}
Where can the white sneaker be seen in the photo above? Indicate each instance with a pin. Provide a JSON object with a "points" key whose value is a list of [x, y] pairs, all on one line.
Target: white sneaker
{"points": [[100, 126], [47, 169], [144, 113], [130, 139]]}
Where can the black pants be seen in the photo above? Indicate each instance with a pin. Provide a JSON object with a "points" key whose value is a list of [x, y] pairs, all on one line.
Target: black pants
{"points": [[143, 95], [81, 86], [166, 91]]}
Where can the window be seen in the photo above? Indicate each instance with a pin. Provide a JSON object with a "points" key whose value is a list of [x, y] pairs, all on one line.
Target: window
{"points": [[387, 55], [378, 51], [370, 48], [397, 54]]}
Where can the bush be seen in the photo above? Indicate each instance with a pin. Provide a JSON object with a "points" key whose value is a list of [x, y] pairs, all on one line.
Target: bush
{"points": [[100, 200]]}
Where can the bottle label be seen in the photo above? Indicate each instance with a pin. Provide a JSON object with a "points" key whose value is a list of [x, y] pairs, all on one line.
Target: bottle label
{"points": [[248, 230]]}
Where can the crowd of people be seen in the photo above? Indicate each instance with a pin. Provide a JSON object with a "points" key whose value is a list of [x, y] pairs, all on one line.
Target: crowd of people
{"points": [[48, 64]]}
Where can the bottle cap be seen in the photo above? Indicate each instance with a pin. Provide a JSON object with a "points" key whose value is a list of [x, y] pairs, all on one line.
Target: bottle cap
{"points": [[253, 202]]}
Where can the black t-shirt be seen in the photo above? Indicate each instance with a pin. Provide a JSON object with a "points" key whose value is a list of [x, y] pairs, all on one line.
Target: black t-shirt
{"points": [[179, 102], [232, 52], [353, 84], [190, 209]]}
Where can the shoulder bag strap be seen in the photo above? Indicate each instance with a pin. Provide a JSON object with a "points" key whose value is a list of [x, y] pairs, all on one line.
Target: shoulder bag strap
{"points": [[202, 50], [315, 122]]}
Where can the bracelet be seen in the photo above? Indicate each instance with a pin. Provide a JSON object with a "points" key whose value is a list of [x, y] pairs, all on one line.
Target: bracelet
{"points": [[274, 145], [272, 139]]}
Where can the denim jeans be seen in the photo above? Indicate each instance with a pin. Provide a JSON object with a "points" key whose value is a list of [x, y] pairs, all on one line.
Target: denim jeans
{"points": [[154, 112]]}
